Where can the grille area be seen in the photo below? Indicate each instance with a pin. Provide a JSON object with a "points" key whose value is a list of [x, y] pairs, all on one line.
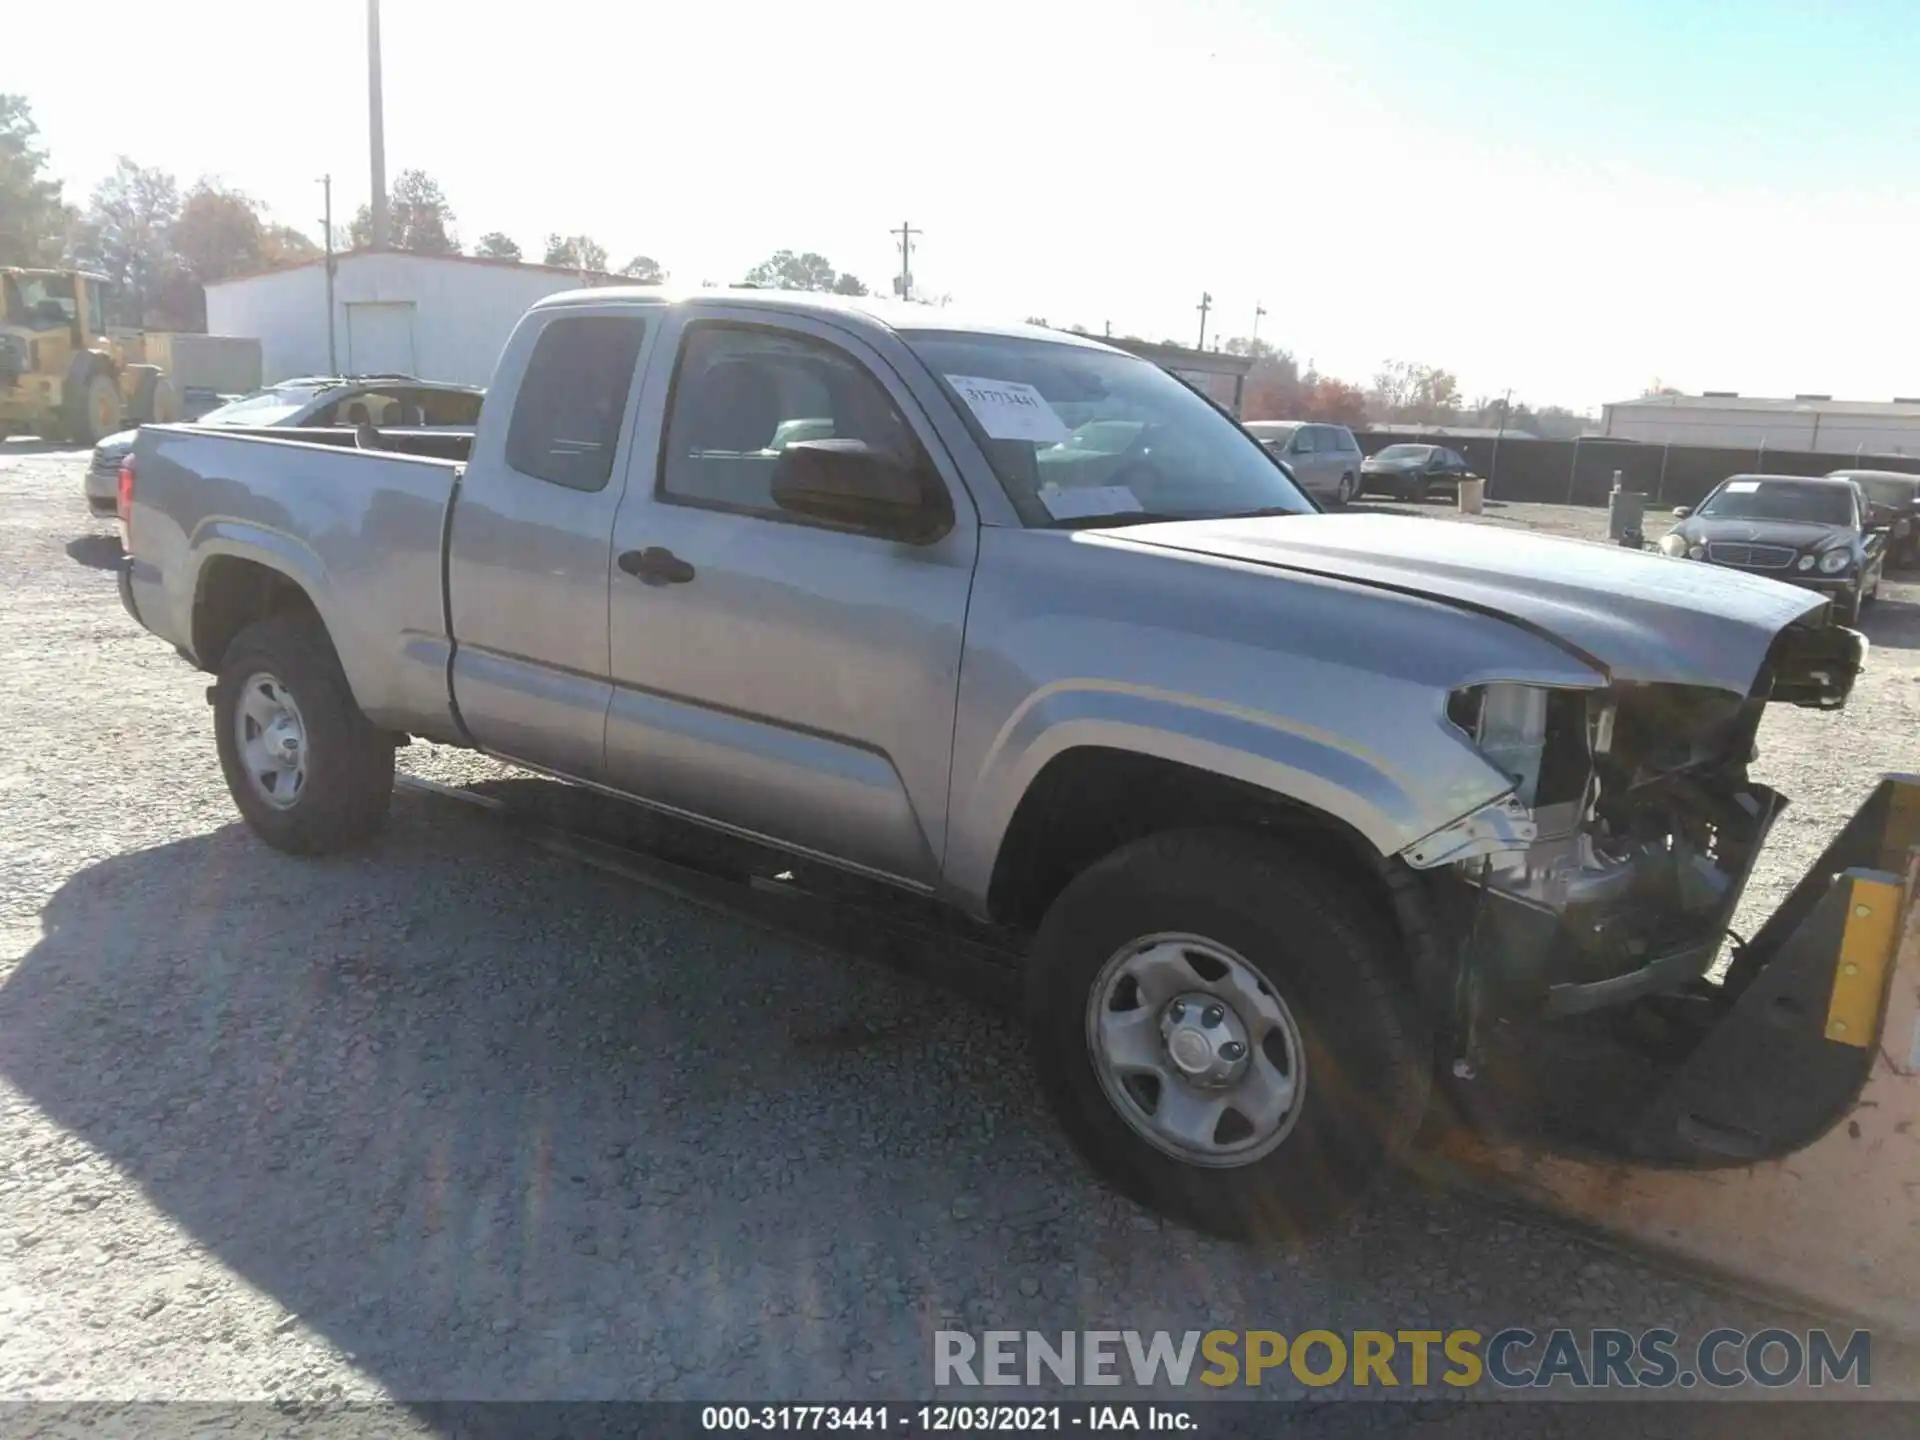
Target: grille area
{"points": [[1751, 557]]}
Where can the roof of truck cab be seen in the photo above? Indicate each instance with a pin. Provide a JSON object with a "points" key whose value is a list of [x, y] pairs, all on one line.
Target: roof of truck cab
{"points": [[888, 314]]}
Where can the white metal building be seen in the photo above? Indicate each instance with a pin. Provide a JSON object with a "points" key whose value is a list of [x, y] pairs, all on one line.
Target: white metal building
{"points": [[1816, 423], [440, 317]]}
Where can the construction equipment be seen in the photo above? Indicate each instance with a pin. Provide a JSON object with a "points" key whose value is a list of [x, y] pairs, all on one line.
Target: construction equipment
{"points": [[1762, 1129], [64, 375]]}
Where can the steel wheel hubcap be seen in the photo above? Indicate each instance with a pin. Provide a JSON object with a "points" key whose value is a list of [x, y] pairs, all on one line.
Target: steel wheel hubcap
{"points": [[1195, 1051], [271, 739]]}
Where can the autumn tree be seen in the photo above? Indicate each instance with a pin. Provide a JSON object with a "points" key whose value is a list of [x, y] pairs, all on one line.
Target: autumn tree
{"points": [[785, 270], [644, 270], [34, 221], [1405, 390], [126, 235], [1273, 389], [418, 218], [576, 252], [1333, 402], [497, 245]]}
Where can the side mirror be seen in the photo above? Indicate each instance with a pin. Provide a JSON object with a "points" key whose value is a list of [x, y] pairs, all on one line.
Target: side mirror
{"points": [[1680, 512], [848, 482]]}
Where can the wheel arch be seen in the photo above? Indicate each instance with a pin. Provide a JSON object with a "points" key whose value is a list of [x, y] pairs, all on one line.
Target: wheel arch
{"points": [[232, 589]]}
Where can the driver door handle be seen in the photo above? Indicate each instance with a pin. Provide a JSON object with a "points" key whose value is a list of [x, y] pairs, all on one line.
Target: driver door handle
{"points": [[656, 566]]}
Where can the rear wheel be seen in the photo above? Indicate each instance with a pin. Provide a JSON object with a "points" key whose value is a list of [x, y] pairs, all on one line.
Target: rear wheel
{"points": [[153, 397], [1217, 1026], [309, 773]]}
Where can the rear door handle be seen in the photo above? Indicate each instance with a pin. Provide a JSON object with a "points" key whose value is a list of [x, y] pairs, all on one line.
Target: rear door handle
{"points": [[655, 566]]}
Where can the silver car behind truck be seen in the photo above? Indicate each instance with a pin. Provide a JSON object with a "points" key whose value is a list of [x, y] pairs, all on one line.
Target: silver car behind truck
{"points": [[1285, 803]]}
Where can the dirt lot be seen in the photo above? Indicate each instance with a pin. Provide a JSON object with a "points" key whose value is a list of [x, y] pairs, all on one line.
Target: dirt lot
{"points": [[458, 1118]]}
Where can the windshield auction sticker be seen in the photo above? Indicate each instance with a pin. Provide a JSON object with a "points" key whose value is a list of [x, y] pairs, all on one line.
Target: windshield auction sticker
{"points": [[1010, 410]]}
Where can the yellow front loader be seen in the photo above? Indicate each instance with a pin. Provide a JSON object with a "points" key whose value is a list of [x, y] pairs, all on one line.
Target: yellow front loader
{"points": [[64, 375]]}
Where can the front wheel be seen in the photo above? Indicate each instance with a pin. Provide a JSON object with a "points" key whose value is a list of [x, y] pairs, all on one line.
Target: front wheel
{"points": [[97, 414], [308, 771], [1343, 496], [1846, 609], [1217, 1025]]}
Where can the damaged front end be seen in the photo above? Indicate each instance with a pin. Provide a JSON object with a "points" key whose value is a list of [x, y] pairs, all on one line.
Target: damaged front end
{"points": [[1613, 867]]}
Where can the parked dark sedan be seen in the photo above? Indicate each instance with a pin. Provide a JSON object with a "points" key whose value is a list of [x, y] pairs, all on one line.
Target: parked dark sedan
{"points": [[1409, 472], [1899, 493], [1822, 534]]}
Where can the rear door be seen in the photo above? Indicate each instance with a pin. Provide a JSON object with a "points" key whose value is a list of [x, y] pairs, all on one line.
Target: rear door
{"points": [[784, 678], [530, 550]]}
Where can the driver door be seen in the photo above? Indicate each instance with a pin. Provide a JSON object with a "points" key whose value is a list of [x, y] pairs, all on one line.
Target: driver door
{"points": [[777, 676]]}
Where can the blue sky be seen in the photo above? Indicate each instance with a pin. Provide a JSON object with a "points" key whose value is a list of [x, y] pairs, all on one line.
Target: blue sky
{"points": [[1569, 199]]}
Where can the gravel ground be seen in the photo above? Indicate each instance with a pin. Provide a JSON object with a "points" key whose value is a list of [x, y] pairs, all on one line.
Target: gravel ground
{"points": [[458, 1118]]}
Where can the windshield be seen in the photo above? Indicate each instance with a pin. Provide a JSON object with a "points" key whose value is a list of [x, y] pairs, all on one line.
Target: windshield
{"points": [[38, 301], [1077, 434], [263, 407], [1780, 500], [1405, 452]]}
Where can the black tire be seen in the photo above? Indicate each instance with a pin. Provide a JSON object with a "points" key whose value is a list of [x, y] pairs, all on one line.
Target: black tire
{"points": [[95, 412], [1344, 495], [153, 398], [1846, 609], [1317, 945], [349, 771]]}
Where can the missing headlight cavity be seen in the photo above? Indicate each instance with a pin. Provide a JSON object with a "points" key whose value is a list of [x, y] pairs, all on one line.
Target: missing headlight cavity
{"points": [[1647, 828], [1540, 738]]}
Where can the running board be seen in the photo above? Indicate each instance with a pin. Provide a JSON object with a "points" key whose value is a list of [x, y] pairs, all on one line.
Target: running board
{"points": [[981, 965]]}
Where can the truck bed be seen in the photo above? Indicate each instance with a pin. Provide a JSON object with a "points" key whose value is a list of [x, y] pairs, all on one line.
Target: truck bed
{"points": [[359, 530]]}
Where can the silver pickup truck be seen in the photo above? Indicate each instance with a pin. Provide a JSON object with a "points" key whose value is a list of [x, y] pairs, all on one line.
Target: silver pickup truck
{"points": [[1290, 805]]}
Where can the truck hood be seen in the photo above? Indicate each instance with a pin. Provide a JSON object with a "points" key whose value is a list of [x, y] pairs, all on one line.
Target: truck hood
{"points": [[1636, 615]]}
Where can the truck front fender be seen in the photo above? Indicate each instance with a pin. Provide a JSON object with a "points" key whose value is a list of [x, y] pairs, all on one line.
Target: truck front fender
{"points": [[1328, 773]]}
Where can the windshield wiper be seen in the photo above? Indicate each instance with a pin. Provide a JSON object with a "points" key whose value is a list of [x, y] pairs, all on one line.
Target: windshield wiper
{"points": [[1114, 518], [1262, 513]]}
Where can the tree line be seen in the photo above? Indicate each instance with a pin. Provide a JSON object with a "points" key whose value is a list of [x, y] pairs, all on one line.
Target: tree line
{"points": [[161, 243]]}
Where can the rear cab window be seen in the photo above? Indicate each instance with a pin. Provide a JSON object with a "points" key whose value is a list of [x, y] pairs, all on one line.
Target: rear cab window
{"points": [[572, 398]]}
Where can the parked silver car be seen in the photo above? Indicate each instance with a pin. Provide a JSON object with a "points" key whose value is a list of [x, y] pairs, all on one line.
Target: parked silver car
{"points": [[303, 403], [1325, 459]]}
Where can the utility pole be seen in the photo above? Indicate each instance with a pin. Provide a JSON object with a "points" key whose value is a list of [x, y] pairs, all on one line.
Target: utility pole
{"points": [[1206, 304], [326, 229], [903, 286], [376, 128], [1494, 469], [1258, 311]]}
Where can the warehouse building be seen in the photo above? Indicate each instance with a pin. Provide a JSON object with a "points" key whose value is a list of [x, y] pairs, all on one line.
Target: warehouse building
{"points": [[440, 317], [1816, 423]]}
